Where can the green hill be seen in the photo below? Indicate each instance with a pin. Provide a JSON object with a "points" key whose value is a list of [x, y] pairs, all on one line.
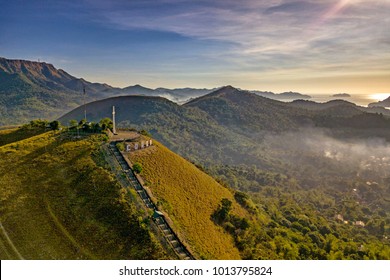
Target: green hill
{"points": [[57, 202], [245, 112], [190, 197], [168, 122]]}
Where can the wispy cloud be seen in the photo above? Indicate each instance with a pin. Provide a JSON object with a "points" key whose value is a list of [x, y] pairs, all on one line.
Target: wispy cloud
{"points": [[219, 39], [285, 33]]}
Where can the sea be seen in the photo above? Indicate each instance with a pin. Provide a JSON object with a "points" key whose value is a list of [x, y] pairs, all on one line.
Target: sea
{"points": [[358, 99]]}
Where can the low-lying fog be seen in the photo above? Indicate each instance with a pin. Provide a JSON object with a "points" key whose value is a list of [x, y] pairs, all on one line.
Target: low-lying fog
{"points": [[369, 158]]}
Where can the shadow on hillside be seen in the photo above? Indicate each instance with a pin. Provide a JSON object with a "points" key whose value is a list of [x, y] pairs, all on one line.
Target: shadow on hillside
{"points": [[18, 135]]}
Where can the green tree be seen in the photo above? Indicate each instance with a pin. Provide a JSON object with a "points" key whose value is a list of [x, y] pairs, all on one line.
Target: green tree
{"points": [[55, 125], [222, 213], [97, 127], [38, 123], [137, 167], [145, 133], [106, 123], [73, 123], [120, 146], [82, 122]]}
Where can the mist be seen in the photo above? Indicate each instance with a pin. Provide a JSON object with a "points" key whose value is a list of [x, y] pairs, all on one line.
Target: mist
{"points": [[178, 98], [313, 147]]}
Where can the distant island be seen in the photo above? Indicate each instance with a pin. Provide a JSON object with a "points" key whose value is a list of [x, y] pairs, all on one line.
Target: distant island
{"points": [[341, 95], [293, 95]]}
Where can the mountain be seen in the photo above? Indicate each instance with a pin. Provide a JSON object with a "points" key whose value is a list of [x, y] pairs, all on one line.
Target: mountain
{"points": [[137, 90], [47, 76], [245, 111], [282, 96], [340, 107], [333, 107], [31, 90], [383, 103]]}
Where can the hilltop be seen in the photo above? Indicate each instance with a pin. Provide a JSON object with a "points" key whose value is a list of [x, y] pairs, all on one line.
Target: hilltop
{"points": [[244, 111], [58, 202]]}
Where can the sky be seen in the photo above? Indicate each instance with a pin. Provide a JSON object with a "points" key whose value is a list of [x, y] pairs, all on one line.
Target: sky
{"points": [[309, 46]]}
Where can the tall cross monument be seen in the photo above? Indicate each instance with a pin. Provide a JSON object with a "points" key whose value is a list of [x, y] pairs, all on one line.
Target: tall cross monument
{"points": [[113, 120], [85, 105]]}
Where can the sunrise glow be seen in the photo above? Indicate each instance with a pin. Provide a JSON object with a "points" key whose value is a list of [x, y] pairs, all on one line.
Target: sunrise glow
{"points": [[379, 96], [311, 46]]}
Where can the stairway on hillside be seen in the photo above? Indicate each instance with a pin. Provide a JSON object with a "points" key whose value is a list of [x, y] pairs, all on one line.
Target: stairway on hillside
{"points": [[158, 218]]}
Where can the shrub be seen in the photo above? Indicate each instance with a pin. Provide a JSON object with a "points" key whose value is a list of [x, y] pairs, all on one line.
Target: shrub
{"points": [[120, 146], [137, 167], [55, 125]]}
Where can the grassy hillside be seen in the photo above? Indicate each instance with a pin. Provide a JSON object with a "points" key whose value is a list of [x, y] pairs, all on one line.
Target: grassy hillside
{"points": [[190, 197], [9, 135], [57, 203]]}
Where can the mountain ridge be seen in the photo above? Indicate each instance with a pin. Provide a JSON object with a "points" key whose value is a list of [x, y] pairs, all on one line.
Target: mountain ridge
{"points": [[383, 103]]}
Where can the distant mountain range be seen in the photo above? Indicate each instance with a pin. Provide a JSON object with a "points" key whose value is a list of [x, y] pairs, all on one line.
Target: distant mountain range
{"points": [[340, 107], [282, 96], [233, 119], [30, 90]]}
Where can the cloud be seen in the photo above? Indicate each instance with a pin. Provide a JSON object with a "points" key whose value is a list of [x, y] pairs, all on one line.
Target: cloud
{"points": [[248, 38], [295, 7], [360, 155], [254, 25], [284, 38]]}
